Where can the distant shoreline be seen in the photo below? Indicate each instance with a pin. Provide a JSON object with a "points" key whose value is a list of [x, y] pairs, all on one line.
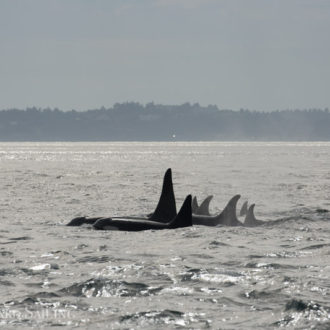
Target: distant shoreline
{"points": [[164, 123]]}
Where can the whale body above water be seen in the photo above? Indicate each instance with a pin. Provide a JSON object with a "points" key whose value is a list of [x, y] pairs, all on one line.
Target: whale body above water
{"points": [[182, 219]]}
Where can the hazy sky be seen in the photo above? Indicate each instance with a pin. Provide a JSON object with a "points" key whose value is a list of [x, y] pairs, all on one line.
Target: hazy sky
{"points": [[82, 54]]}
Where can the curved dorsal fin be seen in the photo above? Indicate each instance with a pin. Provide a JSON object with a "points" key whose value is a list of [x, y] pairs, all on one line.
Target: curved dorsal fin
{"points": [[228, 216], [194, 205], [250, 219], [166, 207], [184, 217], [204, 207], [244, 209]]}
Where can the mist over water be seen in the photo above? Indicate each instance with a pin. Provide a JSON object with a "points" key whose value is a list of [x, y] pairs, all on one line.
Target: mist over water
{"points": [[273, 276]]}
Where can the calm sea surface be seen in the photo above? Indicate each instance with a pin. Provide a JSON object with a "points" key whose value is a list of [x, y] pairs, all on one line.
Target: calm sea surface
{"points": [[269, 277]]}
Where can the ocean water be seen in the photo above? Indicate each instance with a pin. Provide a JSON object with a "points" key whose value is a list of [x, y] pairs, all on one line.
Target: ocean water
{"points": [[268, 277]]}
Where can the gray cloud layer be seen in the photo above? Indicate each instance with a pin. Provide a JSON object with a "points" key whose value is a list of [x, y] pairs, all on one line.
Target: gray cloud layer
{"points": [[81, 54]]}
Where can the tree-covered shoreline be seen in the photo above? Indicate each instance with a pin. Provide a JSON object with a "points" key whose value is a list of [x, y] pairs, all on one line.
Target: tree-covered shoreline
{"points": [[153, 122]]}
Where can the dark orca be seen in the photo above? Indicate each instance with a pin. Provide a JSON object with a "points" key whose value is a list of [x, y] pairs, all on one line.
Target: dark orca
{"points": [[164, 212], [203, 209], [226, 218], [182, 219], [250, 219], [244, 209]]}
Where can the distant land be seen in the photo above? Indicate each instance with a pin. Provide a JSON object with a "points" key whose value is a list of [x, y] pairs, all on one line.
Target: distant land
{"points": [[154, 122]]}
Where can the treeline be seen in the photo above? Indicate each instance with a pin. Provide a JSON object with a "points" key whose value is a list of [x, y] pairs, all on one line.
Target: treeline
{"points": [[153, 122]]}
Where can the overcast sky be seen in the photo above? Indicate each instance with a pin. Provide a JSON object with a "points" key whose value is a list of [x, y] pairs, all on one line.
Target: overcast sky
{"points": [[84, 54]]}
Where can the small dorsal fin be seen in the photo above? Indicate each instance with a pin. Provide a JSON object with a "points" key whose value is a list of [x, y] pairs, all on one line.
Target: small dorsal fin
{"points": [[194, 205], [244, 209], [166, 207], [250, 219], [204, 207], [184, 217], [228, 216]]}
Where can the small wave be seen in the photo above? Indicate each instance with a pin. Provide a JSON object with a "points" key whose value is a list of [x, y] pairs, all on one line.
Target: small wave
{"points": [[255, 256], [305, 314], [321, 211], [286, 220], [300, 305], [190, 274], [172, 318], [316, 246], [269, 265], [210, 291], [23, 238], [231, 263], [4, 243], [191, 233], [6, 253], [264, 294], [7, 271], [43, 175], [40, 284], [300, 215], [42, 267], [102, 287], [6, 283], [180, 291], [224, 278], [202, 256], [215, 244], [283, 254], [81, 246], [33, 299], [165, 316], [98, 259]]}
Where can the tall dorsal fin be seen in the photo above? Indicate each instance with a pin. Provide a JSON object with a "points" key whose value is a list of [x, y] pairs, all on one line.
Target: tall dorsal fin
{"points": [[184, 217], [228, 216], [204, 207], [244, 209], [194, 205], [250, 219], [166, 207]]}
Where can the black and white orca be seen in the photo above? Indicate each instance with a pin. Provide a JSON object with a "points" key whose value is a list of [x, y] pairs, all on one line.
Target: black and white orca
{"points": [[165, 210], [182, 219]]}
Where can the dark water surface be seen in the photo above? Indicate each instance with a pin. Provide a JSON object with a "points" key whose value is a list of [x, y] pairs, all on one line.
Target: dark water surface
{"points": [[274, 276]]}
